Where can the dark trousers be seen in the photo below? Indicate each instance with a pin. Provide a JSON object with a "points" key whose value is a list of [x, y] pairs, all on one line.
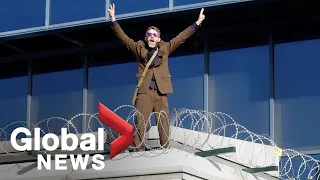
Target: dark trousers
{"points": [[146, 103]]}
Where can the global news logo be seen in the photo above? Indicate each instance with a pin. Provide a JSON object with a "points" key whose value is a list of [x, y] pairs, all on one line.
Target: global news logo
{"points": [[60, 163], [87, 142]]}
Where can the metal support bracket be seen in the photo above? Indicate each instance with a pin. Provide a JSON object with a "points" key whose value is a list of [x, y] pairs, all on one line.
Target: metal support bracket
{"points": [[261, 169], [216, 152]]}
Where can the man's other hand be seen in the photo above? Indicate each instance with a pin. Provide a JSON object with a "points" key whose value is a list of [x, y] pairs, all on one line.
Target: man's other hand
{"points": [[111, 11], [201, 17]]}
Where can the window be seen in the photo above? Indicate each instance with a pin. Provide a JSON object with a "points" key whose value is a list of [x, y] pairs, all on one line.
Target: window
{"points": [[57, 95], [19, 14], [130, 6], [239, 86], [298, 167], [113, 86], [187, 2], [297, 94], [13, 103], [187, 81], [63, 11]]}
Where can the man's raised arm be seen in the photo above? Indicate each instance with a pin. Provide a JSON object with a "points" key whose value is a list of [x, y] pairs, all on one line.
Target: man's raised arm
{"points": [[174, 43], [127, 41]]}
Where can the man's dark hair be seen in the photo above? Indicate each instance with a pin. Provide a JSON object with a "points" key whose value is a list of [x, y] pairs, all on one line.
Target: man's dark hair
{"points": [[154, 28]]}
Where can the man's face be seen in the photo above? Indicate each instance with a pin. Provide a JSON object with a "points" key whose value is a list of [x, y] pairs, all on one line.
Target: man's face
{"points": [[152, 37]]}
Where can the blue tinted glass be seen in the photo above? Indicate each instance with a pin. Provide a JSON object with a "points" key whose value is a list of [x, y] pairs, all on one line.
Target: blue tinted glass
{"points": [[57, 95], [129, 6], [17, 14], [239, 87], [186, 2], [13, 102], [187, 81], [299, 167], [73, 10], [297, 93], [113, 86]]}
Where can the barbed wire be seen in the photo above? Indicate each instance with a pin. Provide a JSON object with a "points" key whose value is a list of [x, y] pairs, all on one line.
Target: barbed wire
{"points": [[206, 131]]}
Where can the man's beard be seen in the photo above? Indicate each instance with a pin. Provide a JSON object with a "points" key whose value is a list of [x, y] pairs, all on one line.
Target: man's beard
{"points": [[152, 45]]}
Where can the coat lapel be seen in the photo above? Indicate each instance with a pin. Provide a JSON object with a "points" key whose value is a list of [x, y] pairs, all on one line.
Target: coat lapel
{"points": [[162, 52], [144, 52], [162, 49]]}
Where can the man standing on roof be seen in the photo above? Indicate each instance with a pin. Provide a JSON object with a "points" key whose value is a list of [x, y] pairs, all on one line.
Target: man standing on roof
{"points": [[154, 79]]}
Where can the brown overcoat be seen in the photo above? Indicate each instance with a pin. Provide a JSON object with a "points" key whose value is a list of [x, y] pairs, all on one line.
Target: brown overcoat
{"points": [[161, 69]]}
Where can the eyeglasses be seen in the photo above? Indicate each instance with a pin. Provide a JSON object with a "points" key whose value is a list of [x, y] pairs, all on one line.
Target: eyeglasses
{"points": [[152, 34]]}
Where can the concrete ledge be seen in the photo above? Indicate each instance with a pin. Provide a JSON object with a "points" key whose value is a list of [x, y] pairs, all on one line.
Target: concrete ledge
{"points": [[247, 153], [151, 163], [176, 163], [160, 164]]}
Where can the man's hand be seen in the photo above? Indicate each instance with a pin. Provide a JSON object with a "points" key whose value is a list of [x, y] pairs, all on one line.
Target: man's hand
{"points": [[201, 17], [111, 12]]}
